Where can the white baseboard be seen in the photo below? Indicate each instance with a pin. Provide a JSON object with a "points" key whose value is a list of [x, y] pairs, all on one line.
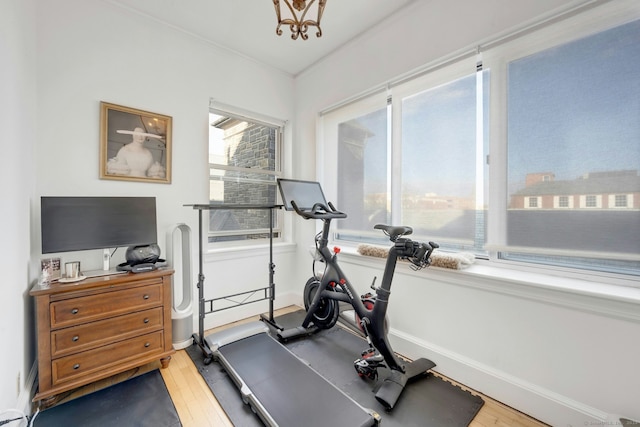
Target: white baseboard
{"points": [[535, 401]]}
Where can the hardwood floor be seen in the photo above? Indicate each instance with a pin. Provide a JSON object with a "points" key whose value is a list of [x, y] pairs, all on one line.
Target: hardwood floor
{"points": [[197, 407]]}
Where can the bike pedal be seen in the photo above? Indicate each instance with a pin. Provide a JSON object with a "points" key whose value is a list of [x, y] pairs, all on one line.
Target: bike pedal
{"points": [[371, 356], [368, 352], [365, 370]]}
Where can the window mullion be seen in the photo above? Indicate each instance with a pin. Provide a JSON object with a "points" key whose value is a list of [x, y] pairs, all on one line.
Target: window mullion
{"points": [[497, 197], [395, 159]]}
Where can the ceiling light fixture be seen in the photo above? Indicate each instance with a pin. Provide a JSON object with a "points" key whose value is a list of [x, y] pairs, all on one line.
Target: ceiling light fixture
{"points": [[299, 25]]}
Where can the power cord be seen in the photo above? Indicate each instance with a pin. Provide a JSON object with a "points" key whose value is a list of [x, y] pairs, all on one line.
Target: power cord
{"points": [[33, 417], [22, 416], [7, 411]]}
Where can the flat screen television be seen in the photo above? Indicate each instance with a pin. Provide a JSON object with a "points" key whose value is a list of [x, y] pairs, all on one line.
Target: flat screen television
{"points": [[84, 223]]}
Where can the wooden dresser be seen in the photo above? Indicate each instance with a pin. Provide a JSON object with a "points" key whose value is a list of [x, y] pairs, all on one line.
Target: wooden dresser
{"points": [[98, 327]]}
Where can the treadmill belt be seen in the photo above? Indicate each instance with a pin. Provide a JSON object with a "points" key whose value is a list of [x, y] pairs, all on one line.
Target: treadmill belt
{"points": [[292, 393]]}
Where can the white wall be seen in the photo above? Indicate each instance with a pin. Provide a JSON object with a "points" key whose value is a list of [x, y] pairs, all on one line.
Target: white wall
{"points": [[90, 51], [17, 121], [565, 357]]}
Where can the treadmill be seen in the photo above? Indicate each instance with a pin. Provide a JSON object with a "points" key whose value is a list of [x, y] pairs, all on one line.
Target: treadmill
{"points": [[281, 388]]}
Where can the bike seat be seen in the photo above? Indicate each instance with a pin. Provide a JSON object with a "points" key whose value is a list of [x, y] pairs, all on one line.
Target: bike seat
{"points": [[394, 231]]}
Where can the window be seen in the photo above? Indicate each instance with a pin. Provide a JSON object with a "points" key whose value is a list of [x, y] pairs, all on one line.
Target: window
{"points": [[442, 170], [243, 167], [586, 92], [559, 109], [362, 163], [590, 201], [415, 157], [359, 179], [563, 202], [620, 201]]}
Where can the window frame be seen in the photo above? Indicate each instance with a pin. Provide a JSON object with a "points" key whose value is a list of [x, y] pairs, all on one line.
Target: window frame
{"points": [[247, 237]]}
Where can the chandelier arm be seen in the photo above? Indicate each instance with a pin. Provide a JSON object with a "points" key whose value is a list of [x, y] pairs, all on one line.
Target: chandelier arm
{"points": [[295, 30], [306, 9], [321, 5], [309, 23], [276, 5], [291, 9]]}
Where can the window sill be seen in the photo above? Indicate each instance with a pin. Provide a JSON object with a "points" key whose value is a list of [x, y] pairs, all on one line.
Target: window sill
{"points": [[606, 299], [246, 251]]}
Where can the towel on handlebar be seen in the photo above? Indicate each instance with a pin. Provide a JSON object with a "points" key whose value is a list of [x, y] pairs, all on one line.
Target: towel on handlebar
{"points": [[455, 261]]}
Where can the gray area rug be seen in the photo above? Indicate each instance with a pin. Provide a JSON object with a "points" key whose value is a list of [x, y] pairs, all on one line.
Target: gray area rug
{"points": [[142, 401]]}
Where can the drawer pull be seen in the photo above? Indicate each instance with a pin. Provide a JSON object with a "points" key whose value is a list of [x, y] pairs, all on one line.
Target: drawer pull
{"points": [[74, 311], [76, 366], [76, 338], [146, 320], [147, 344], [146, 297]]}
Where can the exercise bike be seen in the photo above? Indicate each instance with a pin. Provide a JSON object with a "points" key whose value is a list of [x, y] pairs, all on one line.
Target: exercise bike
{"points": [[324, 292]]}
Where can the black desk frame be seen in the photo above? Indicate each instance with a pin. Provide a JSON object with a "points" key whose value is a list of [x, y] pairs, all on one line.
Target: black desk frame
{"points": [[269, 290]]}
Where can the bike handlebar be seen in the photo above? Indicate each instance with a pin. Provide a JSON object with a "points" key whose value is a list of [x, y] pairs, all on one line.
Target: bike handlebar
{"points": [[419, 254], [319, 211]]}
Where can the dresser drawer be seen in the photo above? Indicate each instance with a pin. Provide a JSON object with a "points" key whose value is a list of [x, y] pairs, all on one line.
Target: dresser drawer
{"points": [[101, 306], [89, 335], [88, 362]]}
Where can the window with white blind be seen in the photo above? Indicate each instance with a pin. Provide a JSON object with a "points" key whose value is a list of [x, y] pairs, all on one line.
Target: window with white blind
{"points": [[534, 158], [443, 168], [359, 178], [573, 120]]}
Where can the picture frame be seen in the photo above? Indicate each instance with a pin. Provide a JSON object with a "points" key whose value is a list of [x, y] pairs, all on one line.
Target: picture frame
{"points": [[135, 145], [50, 269]]}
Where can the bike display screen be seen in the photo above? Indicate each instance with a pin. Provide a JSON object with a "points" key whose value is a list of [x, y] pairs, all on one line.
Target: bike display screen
{"points": [[304, 193]]}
